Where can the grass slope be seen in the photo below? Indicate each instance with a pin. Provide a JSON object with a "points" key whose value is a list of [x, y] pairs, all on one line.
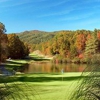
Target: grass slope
{"points": [[35, 36]]}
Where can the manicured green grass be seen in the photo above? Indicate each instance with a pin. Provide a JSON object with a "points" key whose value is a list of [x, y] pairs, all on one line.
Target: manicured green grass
{"points": [[39, 57], [47, 86], [32, 58], [51, 89], [54, 90]]}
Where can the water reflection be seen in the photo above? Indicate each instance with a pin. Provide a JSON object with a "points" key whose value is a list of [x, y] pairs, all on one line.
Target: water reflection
{"points": [[47, 67]]}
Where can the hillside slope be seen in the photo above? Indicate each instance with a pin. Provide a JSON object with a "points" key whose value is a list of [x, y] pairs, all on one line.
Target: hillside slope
{"points": [[35, 36]]}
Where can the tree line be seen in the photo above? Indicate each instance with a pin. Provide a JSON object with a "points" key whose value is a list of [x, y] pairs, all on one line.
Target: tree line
{"points": [[11, 46], [77, 45], [73, 43]]}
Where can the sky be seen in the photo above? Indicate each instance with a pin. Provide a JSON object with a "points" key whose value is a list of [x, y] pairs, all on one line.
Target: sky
{"points": [[49, 15]]}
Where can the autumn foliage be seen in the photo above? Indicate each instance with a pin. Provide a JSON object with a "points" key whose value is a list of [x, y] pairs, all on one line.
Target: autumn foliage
{"points": [[70, 44], [11, 46]]}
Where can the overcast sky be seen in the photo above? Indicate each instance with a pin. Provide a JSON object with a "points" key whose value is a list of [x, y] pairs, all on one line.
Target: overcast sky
{"points": [[49, 15]]}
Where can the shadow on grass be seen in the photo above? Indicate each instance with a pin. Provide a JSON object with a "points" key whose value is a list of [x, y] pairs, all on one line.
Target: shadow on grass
{"points": [[39, 79], [13, 62], [48, 79], [39, 59]]}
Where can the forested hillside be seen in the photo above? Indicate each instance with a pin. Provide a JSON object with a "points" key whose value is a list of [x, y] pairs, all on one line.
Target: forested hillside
{"points": [[35, 36], [79, 44]]}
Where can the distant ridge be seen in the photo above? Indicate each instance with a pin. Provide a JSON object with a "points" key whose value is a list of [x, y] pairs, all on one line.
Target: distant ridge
{"points": [[36, 36]]}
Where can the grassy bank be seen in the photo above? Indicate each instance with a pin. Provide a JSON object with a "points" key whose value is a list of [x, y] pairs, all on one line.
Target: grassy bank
{"points": [[18, 63], [32, 58]]}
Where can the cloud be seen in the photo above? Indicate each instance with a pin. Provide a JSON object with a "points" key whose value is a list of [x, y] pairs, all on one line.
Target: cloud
{"points": [[1, 1], [65, 10], [18, 3], [90, 1], [57, 13], [59, 3], [77, 17], [91, 22], [13, 3], [50, 4]]}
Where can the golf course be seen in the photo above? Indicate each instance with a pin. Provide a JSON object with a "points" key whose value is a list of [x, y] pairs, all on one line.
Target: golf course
{"points": [[49, 50], [44, 86], [39, 86]]}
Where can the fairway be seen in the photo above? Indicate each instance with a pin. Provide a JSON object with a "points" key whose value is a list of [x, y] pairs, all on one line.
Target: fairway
{"points": [[51, 86]]}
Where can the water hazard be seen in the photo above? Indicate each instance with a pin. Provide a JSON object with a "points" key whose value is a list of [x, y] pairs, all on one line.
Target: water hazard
{"points": [[47, 67]]}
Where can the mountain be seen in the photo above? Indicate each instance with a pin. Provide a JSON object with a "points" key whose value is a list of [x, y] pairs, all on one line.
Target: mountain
{"points": [[36, 36]]}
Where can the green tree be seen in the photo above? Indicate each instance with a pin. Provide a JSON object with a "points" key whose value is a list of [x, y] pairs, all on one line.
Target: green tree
{"points": [[91, 46]]}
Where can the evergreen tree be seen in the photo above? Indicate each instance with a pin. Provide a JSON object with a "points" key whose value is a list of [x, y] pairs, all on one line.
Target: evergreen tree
{"points": [[91, 46]]}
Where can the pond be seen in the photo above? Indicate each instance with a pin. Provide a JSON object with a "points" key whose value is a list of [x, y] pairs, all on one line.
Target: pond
{"points": [[47, 67]]}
